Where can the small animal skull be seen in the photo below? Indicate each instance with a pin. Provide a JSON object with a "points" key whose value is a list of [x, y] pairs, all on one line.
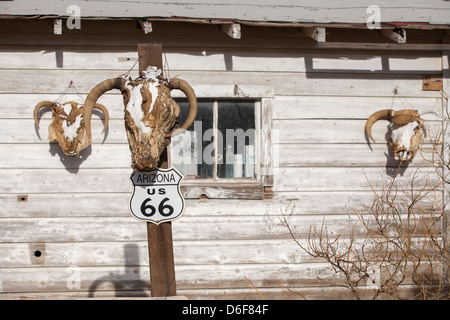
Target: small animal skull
{"points": [[67, 126], [407, 131]]}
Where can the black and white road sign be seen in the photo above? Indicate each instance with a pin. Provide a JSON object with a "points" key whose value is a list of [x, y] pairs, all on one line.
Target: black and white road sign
{"points": [[156, 195]]}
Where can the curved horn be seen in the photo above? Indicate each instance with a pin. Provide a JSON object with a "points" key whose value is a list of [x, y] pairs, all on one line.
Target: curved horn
{"points": [[402, 117], [38, 107], [382, 114], [190, 94], [105, 114], [91, 99]]}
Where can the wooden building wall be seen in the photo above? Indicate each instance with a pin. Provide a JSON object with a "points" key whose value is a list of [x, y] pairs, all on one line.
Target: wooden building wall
{"points": [[75, 211]]}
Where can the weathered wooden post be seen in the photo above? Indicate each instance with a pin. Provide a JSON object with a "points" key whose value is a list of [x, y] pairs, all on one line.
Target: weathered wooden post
{"points": [[160, 244]]}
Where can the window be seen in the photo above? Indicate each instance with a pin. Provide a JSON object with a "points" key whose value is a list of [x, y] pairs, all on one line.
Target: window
{"points": [[226, 153], [221, 144]]}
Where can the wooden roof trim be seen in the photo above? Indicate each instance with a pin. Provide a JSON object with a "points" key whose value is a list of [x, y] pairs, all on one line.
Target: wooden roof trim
{"points": [[383, 25]]}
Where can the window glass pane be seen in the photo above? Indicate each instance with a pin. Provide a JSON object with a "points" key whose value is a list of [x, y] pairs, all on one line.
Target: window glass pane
{"points": [[193, 150], [236, 153]]}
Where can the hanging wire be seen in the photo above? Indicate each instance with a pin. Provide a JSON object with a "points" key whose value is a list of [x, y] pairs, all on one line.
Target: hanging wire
{"points": [[64, 92], [126, 74], [397, 93], [70, 86], [445, 104], [166, 69], [77, 92], [404, 99]]}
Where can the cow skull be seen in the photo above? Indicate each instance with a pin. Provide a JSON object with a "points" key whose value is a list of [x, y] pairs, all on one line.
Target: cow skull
{"points": [[68, 125], [407, 131], [150, 114]]}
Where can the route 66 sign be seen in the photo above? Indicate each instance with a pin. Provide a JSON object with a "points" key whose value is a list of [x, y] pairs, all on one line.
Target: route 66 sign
{"points": [[156, 195]]}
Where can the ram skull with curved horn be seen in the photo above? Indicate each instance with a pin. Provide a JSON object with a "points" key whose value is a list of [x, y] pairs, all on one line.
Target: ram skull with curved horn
{"points": [[150, 113], [68, 126], [407, 131]]}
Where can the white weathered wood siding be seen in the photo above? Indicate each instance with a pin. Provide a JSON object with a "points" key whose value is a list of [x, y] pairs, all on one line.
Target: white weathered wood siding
{"points": [[75, 211]]}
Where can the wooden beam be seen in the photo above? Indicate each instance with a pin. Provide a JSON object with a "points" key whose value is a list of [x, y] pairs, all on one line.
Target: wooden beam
{"points": [[383, 46], [316, 33], [146, 25], [148, 56], [57, 26], [233, 30], [161, 260], [160, 244], [397, 35]]}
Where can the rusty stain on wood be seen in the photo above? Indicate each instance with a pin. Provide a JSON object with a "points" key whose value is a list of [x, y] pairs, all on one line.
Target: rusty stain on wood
{"points": [[432, 83]]}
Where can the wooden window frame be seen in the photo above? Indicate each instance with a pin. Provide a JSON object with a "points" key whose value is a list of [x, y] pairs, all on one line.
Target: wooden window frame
{"points": [[229, 188]]}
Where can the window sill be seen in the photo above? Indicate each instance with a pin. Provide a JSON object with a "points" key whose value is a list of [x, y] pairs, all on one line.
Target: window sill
{"points": [[213, 190]]}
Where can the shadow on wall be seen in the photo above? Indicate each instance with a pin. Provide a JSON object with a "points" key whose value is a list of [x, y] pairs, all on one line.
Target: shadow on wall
{"points": [[393, 166], [128, 281], [71, 164]]}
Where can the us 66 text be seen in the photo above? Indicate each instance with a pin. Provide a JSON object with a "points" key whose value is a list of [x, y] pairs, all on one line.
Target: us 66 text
{"points": [[247, 309]]}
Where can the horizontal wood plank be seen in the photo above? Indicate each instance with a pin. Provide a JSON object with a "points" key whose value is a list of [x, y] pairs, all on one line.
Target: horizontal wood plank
{"points": [[189, 229], [287, 131], [129, 254], [339, 131], [25, 131], [41, 155], [346, 155], [278, 293], [135, 254], [357, 179], [116, 204], [24, 181], [20, 106], [94, 279], [212, 59], [98, 156], [339, 107], [324, 84], [44, 230]]}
